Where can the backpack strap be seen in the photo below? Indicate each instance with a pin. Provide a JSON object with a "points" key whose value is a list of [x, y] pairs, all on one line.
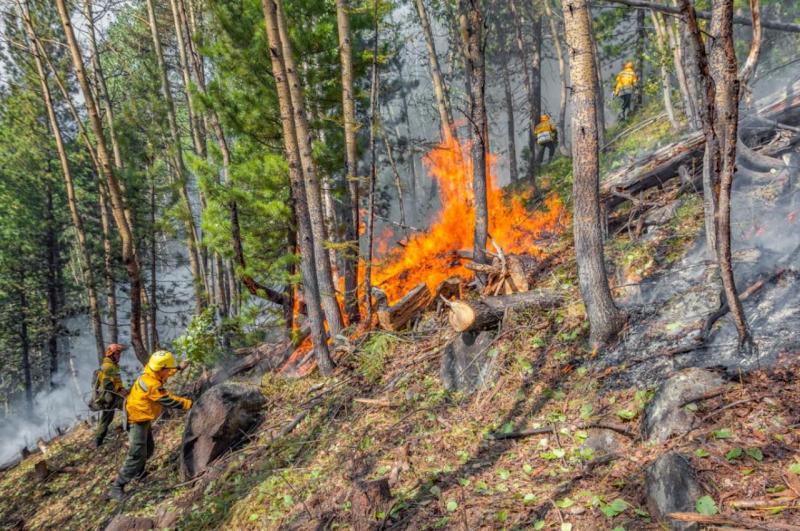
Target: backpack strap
{"points": [[142, 385]]}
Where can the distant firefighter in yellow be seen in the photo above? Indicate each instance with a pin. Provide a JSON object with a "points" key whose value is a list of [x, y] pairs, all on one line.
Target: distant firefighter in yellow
{"points": [[146, 399], [624, 87], [546, 138]]}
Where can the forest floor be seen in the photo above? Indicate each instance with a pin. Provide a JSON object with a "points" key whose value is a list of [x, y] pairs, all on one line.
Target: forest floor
{"points": [[386, 414]]}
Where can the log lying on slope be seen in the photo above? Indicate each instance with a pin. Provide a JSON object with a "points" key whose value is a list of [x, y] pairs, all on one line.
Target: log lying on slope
{"points": [[398, 315], [482, 313], [662, 165]]}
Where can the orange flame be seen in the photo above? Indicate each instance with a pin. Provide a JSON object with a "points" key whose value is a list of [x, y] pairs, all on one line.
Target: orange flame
{"points": [[429, 257]]}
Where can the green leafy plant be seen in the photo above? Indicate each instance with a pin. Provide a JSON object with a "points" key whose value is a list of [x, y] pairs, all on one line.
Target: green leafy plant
{"points": [[706, 506], [372, 357], [614, 508], [201, 342]]}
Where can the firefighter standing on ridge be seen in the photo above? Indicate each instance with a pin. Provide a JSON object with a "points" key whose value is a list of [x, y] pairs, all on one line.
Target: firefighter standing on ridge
{"points": [[146, 399], [546, 138], [109, 392], [623, 88]]}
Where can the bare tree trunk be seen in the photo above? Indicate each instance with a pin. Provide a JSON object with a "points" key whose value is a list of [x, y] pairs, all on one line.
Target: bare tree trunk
{"points": [[398, 184], [350, 211], [108, 263], [641, 37], [749, 67], [533, 115], [555, 35], [512, 140], [728, 116], [118, 204], [198, 275], [680, 72], [605, 319], [80, 234], [373, 172], [25, 344], [327, 291], [53, 272], [153, 302], [471, 21], [600, 98], [666, 88], [442, 99], [272, 14], [535, 95]]}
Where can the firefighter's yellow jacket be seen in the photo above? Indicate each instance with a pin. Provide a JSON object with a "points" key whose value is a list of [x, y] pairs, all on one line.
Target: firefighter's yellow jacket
{"points": [[627, 79], [545, 126], [148, 396], [109, 376]]}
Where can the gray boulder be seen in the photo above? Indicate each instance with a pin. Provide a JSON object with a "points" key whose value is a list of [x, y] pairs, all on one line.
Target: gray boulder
{"points": [[671, 487], [218, 421], [466, 363], [664, 415], [604, 441]]}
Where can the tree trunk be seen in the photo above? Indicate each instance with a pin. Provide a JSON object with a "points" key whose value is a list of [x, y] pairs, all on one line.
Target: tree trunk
{"points": [[311, 294], [398, 184], [327, 290], [373, 173], [680, 73], [512, 140], [83, 249], [533, 115], [666, 88], [468, 315], [605, 318], [439, 90], [727, 84], [25, 344], [535, 95], [195, 119], [555, 35], [691, 71], [129, 257], [53, 273], [641, 38], [108, 263], [198, 275], [600, 98], [749, 68], [471, 21], [153, 306], [350, 212]]}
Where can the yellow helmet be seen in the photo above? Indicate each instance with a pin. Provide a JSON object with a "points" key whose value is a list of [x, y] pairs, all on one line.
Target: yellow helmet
{"points": [[629, 64], [161, 359], [544, 117]]}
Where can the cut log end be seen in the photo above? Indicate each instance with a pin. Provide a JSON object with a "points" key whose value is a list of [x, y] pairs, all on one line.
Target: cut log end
{"points": [[461, 316]]}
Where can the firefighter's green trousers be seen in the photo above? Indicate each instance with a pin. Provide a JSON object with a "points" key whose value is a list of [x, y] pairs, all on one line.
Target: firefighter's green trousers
{"points": [[142, 446]]}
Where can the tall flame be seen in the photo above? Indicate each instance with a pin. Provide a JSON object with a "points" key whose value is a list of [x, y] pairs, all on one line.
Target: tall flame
{"points": [[430, 257]]}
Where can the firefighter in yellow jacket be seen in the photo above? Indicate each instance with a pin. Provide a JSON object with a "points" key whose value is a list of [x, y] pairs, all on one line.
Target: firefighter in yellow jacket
{"points": [[109, 390], [624, 87], [144, 404], [546, 138]]}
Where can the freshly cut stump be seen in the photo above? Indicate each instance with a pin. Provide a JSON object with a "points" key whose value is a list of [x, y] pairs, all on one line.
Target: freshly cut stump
{"points": [[218, 421]]}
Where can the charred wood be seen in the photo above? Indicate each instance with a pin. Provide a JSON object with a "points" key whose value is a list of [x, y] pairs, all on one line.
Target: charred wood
{"points": [[398, 315]]}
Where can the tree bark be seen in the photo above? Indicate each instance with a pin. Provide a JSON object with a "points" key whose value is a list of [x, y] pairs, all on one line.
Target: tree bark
{"points": [[153, 302], [373, 172], [108, 263], [680, 73], [512, 140], [398, 183], [442, 98], [198, 275], [471, 22], [666, 87], [77, 222], [533, 114], [129, 257], [468, 315], [749, 67], [327, 290], [641, 37], [728, 116], [605, 319], [555, 35], [350, 212], [535, 95], [25, 344], [53, 274], [600, 98], [311, 294], [398, 315]]}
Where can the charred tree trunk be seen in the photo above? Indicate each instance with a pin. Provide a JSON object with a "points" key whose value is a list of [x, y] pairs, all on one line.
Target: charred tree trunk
{"points": [[728, 116], [80, 234], [129, 257], [198, 275], [327, 290], [272, 14], [605, 318], [350, 213], [471, 21], [442, 98], [512, 140]]}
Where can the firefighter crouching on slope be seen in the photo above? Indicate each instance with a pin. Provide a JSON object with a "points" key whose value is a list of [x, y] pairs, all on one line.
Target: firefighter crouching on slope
{"points": [[623, 88], [546, 138], [109, 390], [146, 399]]}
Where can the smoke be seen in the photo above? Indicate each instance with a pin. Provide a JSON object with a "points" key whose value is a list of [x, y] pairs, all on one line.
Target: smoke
{"points": [[66, 404]]}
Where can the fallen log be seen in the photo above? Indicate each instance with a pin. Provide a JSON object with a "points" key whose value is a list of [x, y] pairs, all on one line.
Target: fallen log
{"points": [[449, 288], [482, 313], [730, 519], [397, 316]]}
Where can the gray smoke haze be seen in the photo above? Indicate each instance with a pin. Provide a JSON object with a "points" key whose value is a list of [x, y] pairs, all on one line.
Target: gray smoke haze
{"points": [[65, 405]]}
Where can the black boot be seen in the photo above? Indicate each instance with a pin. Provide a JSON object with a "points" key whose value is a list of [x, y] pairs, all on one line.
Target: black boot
{"points": [[117, 490]]}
